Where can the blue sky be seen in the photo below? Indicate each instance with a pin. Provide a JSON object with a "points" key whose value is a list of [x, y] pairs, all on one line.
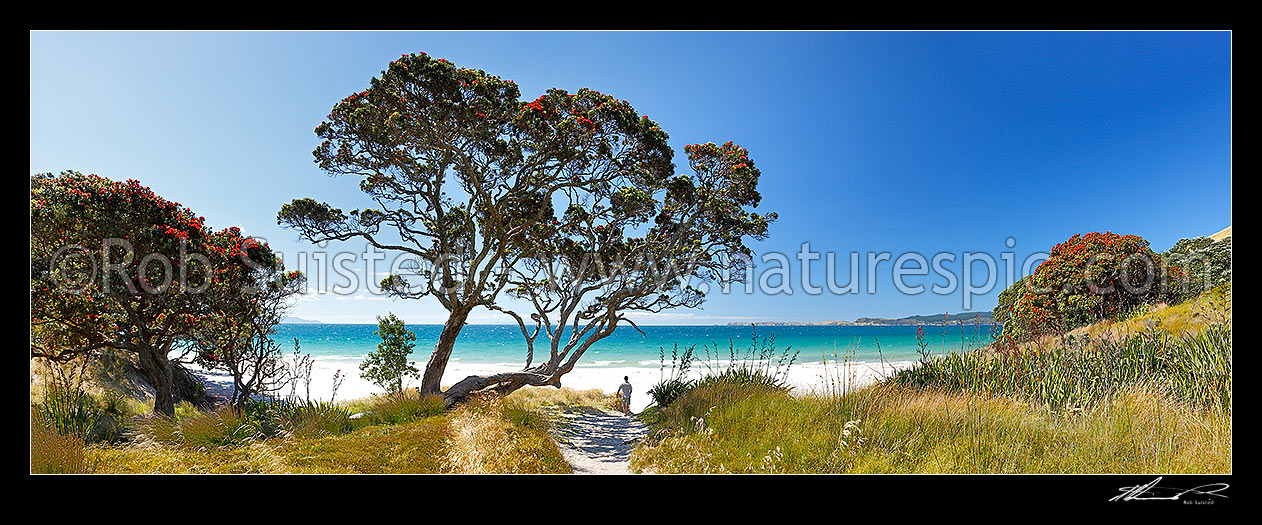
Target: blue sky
{"points": [[868, 141]]}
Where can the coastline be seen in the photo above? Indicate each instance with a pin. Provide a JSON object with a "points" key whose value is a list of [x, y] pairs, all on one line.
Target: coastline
{"points": [[806, 378]]}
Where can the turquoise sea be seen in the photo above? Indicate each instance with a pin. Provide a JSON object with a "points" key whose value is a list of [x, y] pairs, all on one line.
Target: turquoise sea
{"points": [[504, 344]]}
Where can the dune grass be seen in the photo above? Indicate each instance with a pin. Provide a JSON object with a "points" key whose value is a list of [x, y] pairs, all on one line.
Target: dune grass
{"points": [[415, 447], [1145, 401], [495, 435], [895, 429], [256, 458], [393, 409], [1192, 368], [409, 435], [538, 397], [54, 452]]}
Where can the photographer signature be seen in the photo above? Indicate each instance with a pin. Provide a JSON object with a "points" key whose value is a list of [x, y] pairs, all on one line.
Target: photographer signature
{"points": [[1151, 491]]}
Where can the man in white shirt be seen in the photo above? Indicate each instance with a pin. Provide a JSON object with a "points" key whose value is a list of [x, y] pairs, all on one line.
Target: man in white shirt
{"points": [[625, 392]]}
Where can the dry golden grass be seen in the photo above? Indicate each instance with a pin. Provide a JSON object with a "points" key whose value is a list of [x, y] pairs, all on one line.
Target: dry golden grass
{"points": [[488, 435], [1153, 402], [1189, 317], [1222, 234], [53, 453], [152, 458], [416, 447], [542, 396], [495, 435]]}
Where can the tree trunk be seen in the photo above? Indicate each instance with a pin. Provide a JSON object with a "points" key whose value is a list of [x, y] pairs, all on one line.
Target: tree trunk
{"points": [[431, 380], [241, 395], [546, 374], [157, 369], [502, 384]]}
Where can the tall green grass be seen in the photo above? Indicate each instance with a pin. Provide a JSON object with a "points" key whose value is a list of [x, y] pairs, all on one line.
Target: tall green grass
{"points": [[68, 411], [312, 418], [224, 427], [1192, 368], [759, 366], [297, 416], [256, 420]]}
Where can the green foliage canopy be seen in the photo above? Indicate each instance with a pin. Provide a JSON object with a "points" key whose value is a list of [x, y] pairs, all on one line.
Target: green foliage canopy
{"points": [[1088, 278], [1206, 262]]}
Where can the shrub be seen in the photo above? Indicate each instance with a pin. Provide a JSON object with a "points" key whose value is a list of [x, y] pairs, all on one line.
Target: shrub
{"points": [[760, 365], [669, 389], [263, 416], [388, 365], [1205, 262], [118, 412], [1007, 298], [742, 376]]}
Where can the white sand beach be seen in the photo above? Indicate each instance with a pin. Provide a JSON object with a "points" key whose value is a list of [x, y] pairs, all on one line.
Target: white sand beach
{"points": [[805, 377]]}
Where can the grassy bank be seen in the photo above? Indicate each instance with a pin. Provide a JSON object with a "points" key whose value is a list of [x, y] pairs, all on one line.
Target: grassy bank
{"points": [[409, 434], [891, 429], [1149, 400], [1192, 370]]}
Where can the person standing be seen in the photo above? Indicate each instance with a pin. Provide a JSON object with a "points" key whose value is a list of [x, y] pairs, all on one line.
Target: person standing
{"points": [[625, 392]]}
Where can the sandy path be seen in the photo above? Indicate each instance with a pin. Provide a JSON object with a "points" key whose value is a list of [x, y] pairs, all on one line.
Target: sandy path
{"points": [[597, 442]]}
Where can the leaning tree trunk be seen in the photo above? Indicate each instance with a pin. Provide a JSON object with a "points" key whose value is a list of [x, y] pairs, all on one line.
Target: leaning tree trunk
{"points": [[546, 374], [157, 369], [503, 383], [431, 380]]}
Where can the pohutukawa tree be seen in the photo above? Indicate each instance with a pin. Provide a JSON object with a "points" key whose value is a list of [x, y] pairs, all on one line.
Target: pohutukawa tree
{"points": [[246, 303], [1088, 278], [466, 178], [628, 246], [114, 266]]}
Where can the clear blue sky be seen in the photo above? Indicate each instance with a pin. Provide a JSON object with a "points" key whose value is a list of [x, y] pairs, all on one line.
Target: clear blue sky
{"points": [[867, 141]]}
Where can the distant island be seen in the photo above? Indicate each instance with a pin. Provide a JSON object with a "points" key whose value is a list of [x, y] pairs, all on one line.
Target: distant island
{"points": [[298, 320], [967, 318]]}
